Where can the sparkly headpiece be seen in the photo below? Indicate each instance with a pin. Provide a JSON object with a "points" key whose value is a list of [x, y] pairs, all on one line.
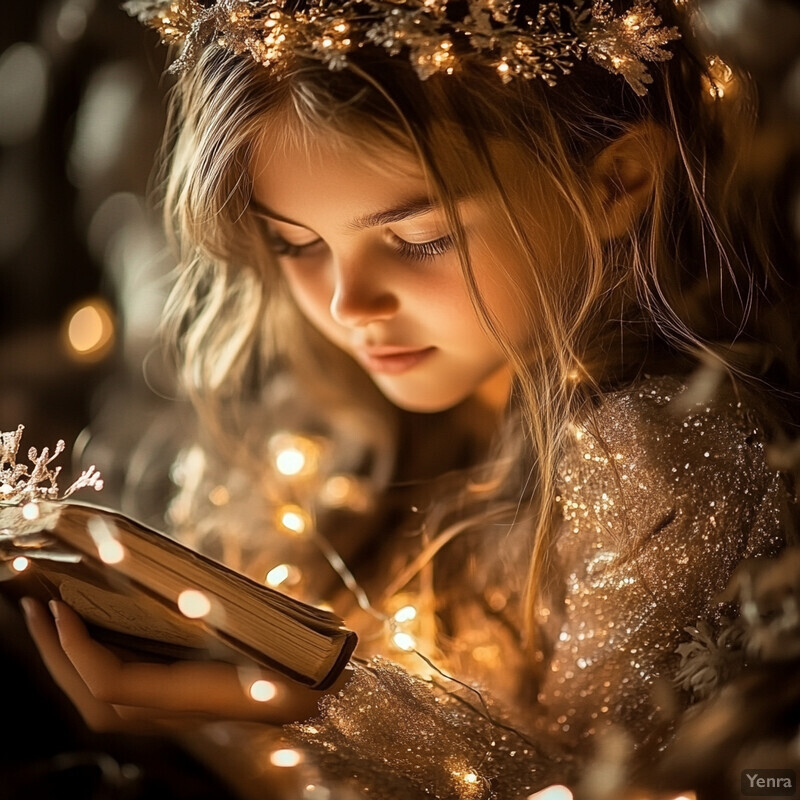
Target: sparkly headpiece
{"points": [[435, 33]]}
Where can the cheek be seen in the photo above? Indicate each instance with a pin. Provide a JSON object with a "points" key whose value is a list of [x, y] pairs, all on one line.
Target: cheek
{"points": [[502, 289], [311, 292]]}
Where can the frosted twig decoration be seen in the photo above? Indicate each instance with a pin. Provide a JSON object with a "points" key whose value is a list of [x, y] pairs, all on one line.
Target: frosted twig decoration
{"points": [[23, 483]]}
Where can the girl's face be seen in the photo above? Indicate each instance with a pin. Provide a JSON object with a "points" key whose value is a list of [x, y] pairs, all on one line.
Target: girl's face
{"points": [[369, 260]]}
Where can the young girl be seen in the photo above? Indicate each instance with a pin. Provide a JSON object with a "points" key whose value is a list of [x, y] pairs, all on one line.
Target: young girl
{"points": [[478, 325]]}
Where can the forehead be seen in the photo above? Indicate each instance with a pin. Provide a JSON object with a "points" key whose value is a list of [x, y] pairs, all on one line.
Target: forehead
{"points": [[341, 174]]}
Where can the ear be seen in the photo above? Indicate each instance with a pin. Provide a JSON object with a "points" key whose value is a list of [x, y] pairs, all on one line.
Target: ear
{"points": [[625, 173]]}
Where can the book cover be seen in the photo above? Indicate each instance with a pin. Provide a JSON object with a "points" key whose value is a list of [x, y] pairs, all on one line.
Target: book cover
{"points": [[139, 589]]}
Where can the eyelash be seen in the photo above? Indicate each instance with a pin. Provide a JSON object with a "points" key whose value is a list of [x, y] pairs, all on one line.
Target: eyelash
{"points": [[425, 250], [408, 250], [284, 249]]}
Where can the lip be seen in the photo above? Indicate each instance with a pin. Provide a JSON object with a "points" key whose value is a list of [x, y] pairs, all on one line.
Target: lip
{"points": [[393, 360]]}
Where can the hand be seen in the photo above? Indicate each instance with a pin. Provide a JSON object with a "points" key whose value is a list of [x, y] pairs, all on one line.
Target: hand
{"points": [[113, 695]]}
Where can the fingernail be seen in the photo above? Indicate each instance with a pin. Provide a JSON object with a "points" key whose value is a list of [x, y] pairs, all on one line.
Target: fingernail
{"points": [[53, 606]]}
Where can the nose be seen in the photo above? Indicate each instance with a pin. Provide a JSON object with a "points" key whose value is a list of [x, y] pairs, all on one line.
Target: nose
{"points": [[362, 293]]}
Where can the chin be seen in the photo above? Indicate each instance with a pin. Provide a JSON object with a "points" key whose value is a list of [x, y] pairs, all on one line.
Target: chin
{"points": [[421, 402]]}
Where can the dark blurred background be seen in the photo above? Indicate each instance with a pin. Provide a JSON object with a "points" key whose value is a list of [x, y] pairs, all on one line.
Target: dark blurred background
{"points": [[81, 257], [83, 274]]}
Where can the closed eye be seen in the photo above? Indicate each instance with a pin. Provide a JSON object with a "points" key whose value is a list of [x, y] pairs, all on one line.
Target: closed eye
{"points": [[422, 251], [284, 249]]}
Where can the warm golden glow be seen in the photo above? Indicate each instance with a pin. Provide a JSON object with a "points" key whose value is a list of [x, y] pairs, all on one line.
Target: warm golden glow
{"points": [[336, 490], [277, 575], [405, 614], [219, 496], [89, 330], [110, 551], [193, 604], [283, 574], [555, 792], [20, 563], [285, 758], [344, 491], [405, 641], [294, 455], [290, 461], [104, 536], [293, 519], [263, 691], [720, 82]]}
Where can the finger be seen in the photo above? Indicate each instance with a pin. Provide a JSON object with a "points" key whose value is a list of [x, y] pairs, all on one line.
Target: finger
{"points": [[181, 687], [98, 716], [205, 687]]}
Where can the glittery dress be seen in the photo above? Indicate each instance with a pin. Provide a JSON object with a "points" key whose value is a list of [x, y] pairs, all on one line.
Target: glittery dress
{"points": [[661, 496]]}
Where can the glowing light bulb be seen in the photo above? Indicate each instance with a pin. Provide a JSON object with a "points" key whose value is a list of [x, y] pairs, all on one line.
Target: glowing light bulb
{"points": [[285, 758], [283, 573], [554, 792], [89, 329], [110, 551], [294, 519], [294, 455], [277, 575], [263, 691], [193, 604], [104, 536], [20, 564], [405, 614], [30, 511], [405, 641], [290, 461], [470, 777]]}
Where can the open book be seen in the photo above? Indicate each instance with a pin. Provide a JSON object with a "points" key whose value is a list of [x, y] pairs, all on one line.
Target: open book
{"points": [[141, 590]]}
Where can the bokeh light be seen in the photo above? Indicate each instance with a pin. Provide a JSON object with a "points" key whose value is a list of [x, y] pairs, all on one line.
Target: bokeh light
{"points": [[193, 604], [89, 330]]}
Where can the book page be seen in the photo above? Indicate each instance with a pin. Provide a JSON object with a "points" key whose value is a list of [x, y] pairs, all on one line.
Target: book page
{"points": [[138, 616]]}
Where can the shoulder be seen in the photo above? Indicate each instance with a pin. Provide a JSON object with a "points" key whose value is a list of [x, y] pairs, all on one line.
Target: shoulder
{"points": [[667, 454], [677, 429]]}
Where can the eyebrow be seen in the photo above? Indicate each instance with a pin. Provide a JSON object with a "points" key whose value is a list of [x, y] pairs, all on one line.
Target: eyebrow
{"points": [[415, 207]]}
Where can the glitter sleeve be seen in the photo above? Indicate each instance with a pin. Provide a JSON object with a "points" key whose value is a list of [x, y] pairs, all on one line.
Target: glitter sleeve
{"points": [[661, 496], [656, 517]]}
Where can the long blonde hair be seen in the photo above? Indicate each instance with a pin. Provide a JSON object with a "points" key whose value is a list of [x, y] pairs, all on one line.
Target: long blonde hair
{"points": [[684, 281]]}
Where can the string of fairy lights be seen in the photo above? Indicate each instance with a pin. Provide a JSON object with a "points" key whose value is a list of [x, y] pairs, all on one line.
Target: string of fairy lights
{"points": [[409, 628]]}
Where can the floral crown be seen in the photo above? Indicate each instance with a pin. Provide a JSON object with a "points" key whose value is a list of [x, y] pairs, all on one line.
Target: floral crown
{"points": [[542, 43]]}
